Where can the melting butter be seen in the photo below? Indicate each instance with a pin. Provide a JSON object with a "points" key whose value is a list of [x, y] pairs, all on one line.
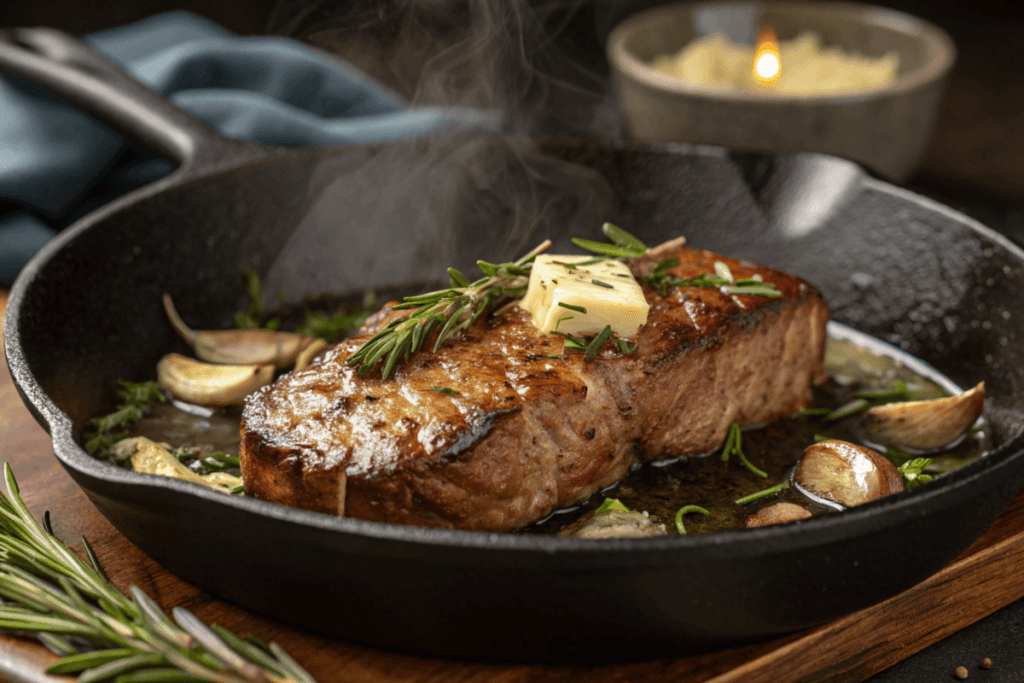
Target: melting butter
{"points": [[572, 294]]}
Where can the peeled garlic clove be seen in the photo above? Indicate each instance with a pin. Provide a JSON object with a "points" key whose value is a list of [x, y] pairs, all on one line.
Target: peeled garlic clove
{"points": [[151, 458], [846, 473], [780, 513], [229, 481], [242, 347], [615, 524], [210, 385], [926, 425]]}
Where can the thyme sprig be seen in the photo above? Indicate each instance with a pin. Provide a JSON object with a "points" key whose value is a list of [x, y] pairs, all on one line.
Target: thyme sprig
{"points": [[49, 591], [104, 432], [451, 310]]}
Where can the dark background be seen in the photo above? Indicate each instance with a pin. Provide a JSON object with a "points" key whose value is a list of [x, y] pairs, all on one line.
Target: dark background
{"points": [[975, 163], [979, 137]]}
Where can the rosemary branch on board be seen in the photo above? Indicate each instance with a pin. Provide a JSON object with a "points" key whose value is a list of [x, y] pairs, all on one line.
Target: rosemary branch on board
{"points": [[45, 589]]}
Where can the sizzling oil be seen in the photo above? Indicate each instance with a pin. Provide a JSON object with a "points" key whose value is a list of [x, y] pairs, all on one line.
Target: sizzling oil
{"points": [[661, 488]]}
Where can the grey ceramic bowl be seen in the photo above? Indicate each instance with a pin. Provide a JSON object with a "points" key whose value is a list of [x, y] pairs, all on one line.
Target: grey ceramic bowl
{"points": [[887, 130]]}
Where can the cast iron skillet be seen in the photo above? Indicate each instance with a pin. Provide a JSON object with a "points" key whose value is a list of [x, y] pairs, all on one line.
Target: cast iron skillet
{"points": [[86, 310]]}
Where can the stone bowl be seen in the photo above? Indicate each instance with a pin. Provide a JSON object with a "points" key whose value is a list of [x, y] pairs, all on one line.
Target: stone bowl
{"points": [[887, 129]]}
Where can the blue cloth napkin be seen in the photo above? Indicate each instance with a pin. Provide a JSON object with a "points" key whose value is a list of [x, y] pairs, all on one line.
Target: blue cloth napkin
{"points": [[57, 163]]}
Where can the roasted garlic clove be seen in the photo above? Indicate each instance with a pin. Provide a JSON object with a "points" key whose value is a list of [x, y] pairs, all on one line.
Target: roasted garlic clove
{"points": [[780, 513], [151, 458], [615, 524], [211, 385], [925, 425], [846, 473], [309, 353], [240, 347]]}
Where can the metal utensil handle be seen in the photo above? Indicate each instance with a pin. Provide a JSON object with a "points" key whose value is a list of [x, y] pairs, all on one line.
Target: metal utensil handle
{"points": [[79, 74]]}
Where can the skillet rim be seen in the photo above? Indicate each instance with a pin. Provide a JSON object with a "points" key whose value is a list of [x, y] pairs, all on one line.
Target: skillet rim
{"points": [[862, 520]]}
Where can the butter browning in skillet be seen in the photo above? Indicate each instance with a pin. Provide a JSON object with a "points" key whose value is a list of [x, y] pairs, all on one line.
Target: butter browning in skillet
{"points": [[521, 432]]}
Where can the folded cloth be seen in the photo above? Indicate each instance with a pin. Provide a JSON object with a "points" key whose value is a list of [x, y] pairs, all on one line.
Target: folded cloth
{"points": [[57, 163]]}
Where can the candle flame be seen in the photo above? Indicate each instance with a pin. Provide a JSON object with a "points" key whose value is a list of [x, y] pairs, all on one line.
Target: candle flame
{"points": [[767, 63]]}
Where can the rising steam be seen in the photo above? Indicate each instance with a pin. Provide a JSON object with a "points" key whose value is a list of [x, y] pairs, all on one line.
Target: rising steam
{"points": [[415, 208]]}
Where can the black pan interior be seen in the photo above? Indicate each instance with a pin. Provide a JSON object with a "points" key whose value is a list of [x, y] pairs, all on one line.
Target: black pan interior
{"points": [[345, 220]]}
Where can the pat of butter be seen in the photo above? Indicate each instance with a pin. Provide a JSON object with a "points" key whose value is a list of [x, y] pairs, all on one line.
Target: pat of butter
{"points": [[607, 291]]}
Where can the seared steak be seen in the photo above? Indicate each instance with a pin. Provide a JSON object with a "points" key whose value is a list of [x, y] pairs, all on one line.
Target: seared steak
{"points": [[529, 429]]}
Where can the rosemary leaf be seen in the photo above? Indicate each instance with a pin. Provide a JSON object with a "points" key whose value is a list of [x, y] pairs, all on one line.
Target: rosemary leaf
{"points": [[89, 660], [685, 510], [623, 239], [594, 346], [771, 491], [606, 249], [120, 666]]}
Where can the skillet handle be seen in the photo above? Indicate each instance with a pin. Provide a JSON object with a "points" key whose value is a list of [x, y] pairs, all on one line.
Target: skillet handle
{"points": [[79, 74]]}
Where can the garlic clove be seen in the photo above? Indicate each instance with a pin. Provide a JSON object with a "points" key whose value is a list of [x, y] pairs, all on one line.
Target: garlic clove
{"points": [[242, 347], [221, 479], [925, 425], [309, 353], [846, 473], [780, 513], [151, 458], [210, 385], [615, 524]]}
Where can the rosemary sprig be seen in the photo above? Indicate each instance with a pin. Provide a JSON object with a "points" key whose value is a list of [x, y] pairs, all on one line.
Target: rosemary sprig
{"points": [[734, 445], [685, 510], [105, 431], [722, 279], [49, 591], [452, 310]]}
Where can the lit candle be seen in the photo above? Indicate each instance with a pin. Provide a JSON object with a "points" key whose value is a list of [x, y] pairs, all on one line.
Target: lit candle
{"points": [[767, 63]]}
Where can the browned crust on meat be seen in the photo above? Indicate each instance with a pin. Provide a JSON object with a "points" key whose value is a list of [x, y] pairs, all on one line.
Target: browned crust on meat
{"points": [[526, 434]]}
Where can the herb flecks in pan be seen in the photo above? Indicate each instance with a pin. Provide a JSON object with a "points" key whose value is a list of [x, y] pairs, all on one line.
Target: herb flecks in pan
{"points": [[50, 592], [105, 431]]}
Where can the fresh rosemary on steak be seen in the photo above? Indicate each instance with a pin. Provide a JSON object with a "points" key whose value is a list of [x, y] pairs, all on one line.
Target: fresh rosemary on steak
{"points": [[660, 280], [48, 591], [452, 310]]}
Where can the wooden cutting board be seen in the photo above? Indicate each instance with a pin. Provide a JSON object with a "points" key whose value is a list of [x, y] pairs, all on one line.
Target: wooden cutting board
{"points": [[982, 580]]}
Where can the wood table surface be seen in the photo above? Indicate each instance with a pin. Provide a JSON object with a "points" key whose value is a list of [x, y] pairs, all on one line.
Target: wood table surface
{"points": [[978, 583]]}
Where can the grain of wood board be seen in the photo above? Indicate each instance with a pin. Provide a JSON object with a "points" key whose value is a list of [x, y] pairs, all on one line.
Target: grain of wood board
{"points": [[851, 649]]}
